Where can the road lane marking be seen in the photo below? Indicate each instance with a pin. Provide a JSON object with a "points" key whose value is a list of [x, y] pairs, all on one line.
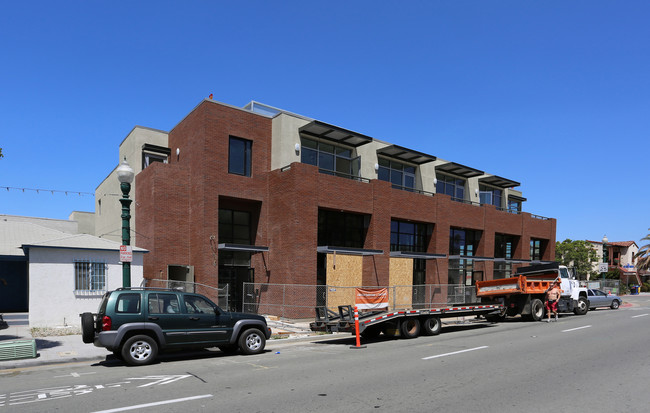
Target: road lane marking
{"points": [[574, 329], [160, 403], [455, 352], [640, 315]]}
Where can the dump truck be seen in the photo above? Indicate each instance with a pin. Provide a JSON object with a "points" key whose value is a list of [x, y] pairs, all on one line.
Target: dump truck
{"points": [[403, 323], [524, 293]]}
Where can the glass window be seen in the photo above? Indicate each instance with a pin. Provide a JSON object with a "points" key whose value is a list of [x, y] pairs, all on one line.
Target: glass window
{"points": [[402, 176], [504, 246], [490, 196], [462, 242], [234, 228], [408, 236], [195, 304], [340, 229], [89, 275], [449, 185], [330, 159], [128, 303], [239, 156], [149, 158], [536, 249], [514, 206], [162, 303]]}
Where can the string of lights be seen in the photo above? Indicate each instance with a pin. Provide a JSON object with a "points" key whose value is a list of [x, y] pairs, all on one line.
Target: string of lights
{"points": [[52, 191]]}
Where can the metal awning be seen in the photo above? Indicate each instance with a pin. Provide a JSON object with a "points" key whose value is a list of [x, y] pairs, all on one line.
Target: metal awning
{"points": [[458, 169], [147, 147], [517, 198], [242, 247], [513, 260], [404, 154], [470, 257], [347, 251], [321, 130], [417, 255], [498, 182]]}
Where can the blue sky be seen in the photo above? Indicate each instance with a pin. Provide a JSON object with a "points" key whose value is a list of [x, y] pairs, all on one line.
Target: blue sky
{"points": [[552, 94]]}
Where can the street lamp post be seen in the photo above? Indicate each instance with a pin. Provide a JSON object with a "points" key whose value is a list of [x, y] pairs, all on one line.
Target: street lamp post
{"points": [[605, 254], [125, 176]]}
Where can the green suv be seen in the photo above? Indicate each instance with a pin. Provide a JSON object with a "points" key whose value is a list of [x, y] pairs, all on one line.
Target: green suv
{"points": [[134, 323]]}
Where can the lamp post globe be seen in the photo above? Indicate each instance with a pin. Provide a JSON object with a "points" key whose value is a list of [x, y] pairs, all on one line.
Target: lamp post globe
{"points": [[125, 176]]}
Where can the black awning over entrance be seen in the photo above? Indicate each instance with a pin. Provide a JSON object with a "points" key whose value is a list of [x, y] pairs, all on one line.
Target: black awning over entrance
{"points": [[417, 255], [347, 251], [240, 247]]}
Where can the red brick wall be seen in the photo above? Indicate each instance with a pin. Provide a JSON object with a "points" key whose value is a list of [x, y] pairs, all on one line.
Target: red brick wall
{"points": [[178, 203]]}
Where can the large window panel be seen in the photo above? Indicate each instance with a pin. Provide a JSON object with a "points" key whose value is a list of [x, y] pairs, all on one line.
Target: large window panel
{"points": [[402, 176], [452, 186], [330, 159], [239, 156]]}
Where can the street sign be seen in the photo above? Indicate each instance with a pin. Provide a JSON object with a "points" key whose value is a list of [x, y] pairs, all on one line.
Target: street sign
{"points": [[126, 253], [603, 267]]}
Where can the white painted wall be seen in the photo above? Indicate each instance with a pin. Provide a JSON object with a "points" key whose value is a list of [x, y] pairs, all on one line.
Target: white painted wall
{"points": [[52, 298]]}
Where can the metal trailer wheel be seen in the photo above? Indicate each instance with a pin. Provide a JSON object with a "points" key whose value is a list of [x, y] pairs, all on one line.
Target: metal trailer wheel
{"points": [[139, 350], [410, 327], [432, 326], [536, 309], [252, 341], [87, 328], [582, 307]]}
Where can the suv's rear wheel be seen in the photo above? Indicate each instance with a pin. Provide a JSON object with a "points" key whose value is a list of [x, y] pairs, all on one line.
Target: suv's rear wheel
{"points": [[87, 328], [252, 341], [139, 350]]}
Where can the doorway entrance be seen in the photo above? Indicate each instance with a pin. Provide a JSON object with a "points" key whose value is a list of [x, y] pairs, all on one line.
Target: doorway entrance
{"points": [[235, 277]]}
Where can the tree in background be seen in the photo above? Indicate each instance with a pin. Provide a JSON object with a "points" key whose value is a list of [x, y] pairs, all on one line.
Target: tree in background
{"points": [[643, 255], [1, 155], [577, 254]]}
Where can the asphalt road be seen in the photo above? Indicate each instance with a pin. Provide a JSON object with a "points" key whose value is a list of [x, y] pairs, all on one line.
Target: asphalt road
{"points": [[598, 362]]}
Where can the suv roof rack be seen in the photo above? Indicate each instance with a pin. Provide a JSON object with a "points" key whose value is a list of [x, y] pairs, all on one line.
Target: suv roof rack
{"points": [[146, 288]]}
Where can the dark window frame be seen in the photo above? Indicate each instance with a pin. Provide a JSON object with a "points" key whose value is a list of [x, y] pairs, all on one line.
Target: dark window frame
{"points": [[496, 195], [330, 158], [240, 156], [400, 174], [451, 185], [408, 236]]}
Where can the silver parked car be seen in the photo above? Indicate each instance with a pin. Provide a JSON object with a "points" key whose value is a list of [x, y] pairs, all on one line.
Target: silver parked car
{"points": [[598, 298]]}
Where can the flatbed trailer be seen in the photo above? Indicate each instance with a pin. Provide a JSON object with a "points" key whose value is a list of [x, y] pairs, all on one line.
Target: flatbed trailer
{"points": [[406, 323]]}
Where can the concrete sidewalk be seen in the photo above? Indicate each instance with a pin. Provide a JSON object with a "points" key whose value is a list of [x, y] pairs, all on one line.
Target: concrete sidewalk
{"points": [[71, 348]]}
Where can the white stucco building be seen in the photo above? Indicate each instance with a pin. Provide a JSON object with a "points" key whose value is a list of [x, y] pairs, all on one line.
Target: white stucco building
{"points": [[62, 274]]}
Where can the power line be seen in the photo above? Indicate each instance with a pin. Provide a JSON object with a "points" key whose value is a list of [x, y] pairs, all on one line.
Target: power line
{"points": [[52, 191]]}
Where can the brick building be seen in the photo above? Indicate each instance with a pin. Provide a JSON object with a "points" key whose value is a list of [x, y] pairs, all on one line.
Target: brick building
{"points": [[257, 194]]}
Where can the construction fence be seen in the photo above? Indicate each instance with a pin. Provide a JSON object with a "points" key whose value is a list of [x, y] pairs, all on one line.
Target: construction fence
{"points": [[607, 285], [299, 301], [218, 295]]}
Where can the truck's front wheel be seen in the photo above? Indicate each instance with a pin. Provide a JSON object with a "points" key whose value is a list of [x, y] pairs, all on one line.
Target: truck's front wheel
{"points": [[581, 307], [537, 309]]}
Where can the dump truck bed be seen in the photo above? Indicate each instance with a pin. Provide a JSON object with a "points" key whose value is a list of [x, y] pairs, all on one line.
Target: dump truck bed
{"points": [[519, 284]]}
